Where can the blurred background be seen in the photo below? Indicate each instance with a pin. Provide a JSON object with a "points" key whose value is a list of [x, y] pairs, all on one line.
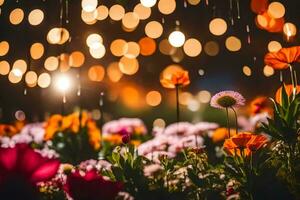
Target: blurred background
{"points": [[128, 50]]}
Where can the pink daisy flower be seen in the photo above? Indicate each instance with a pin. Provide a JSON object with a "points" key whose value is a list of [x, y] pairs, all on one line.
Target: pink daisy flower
{"points": [[227, 99]]}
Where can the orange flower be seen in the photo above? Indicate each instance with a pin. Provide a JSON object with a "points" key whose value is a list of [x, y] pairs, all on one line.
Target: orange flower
{"points": [[221, 133], [243, 144], [113, 138], [289, 91], [8, 130], [178, 77], [94, 135], [283, 58], [135, 143], [259, 105]]}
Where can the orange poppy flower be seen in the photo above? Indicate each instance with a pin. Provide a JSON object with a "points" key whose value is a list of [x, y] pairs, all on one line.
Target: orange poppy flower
{"points": [[289, 91], [114, 138], [7, 130], [283, 58], [260, 105], [94, 135], [176, 78], [243, 144]]}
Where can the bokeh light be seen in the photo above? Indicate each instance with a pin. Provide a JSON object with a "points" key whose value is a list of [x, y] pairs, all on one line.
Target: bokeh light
{"points": [[15, 76], [153, 29], [4, 48], [268, 71], [276, 10], [36, 17], [160, 123], [128, 66], [211, 48], [192, 47], [21, 65], [88, 17], [247, 70], [96, 73], [153, 98], [130, 21], [142, 11], [36, 51], [193, 2], [94, 40], [44, 80], [289, 29], [185, 97], [98, 52], [4, 67], [176, 38], [63, 83], [274, 46], [233, 43], [89, 5], [133, 50], [31, 78], [147, 46], [58, 36], [116, 12], [51, 63], [76, 59], [218, 26], [166, 48], [148, 3], [204, 96], [118, 47], [113, 72], [20, 115], [16, 16], [101, 13], [166, 7]]}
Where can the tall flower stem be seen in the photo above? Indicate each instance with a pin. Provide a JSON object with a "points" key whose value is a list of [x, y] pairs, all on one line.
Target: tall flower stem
{"points": [[177, 103], [293, 81], [236, 121], [228, 128]]}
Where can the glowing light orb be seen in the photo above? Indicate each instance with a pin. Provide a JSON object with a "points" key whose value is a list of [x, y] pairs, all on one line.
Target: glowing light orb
{"points": [[176, 38]]}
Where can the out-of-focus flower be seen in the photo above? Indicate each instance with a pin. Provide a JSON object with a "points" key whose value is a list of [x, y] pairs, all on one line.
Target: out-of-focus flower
{"points": [[243, 144], [125, 128], [227, 99], [176, 78], [288, 90], [220, 134], [155, 156], [283, 58], [9, 130], [90, 185], [260, 105], [21, 166], [253, 122], [73, 123]]}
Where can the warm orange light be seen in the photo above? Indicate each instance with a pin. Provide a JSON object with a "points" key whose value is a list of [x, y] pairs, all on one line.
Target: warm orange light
{"points": [[147, 46], [4, 48], [153, 29], [153, 98], [37, 51], [96, 73], [128, 66], [76, 59]]}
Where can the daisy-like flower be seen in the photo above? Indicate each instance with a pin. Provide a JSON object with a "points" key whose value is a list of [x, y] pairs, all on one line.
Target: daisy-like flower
{"points": [[227, 99]]}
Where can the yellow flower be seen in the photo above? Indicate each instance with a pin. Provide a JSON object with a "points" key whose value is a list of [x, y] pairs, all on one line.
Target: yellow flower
{"points": [[220, 134]]}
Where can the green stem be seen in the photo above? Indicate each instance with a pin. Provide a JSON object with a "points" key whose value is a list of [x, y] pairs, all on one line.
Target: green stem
{"points": [[236, 120], [293, 82], [228, 127], [177, 104]]}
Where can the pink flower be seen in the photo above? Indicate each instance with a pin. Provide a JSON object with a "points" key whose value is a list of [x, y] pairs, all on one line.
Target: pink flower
{"points": [[227, 99], [21, 165], [92, 186]]}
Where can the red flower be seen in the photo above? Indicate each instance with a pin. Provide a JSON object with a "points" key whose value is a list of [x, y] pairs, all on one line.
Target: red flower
{"points": [[21, 166], [91, 186]]}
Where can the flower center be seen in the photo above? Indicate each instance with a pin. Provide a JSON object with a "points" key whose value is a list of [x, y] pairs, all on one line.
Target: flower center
{"points": [[226, 101]]}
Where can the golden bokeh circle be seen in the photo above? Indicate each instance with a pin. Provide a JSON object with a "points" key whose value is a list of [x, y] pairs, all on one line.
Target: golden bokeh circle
{"points": [[118, 47], [154, 29], [44, 80], [218, 26], [76, 59], [268, 71], [274, 46], [16, 16], [36, 17], [133, 50], [20, 65], [289, 29], [94, 40], [276, 10], [142, 11], [166, 48], [14, 77], [36, 51], [88, 17], [58, 35], [4, 48], [4, 67], [247, 70], [51, 63], [98, 52], [233, 43], [192, 47], [153, 98], [193, 2], [96, 73], [113, 72], [167, 7], [128, 66], [31, 78], [116, 12], [89, 5], [130, 21], [101, 13]]}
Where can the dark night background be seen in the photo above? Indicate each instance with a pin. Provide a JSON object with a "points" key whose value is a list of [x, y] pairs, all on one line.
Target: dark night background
{"points": [[223, 71]]}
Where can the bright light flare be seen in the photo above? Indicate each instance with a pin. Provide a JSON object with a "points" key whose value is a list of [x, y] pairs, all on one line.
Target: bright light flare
{"points": [[63, 83]]}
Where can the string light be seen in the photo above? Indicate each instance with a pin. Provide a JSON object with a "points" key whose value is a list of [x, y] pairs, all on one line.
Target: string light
{"points": [[176, 38]]}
